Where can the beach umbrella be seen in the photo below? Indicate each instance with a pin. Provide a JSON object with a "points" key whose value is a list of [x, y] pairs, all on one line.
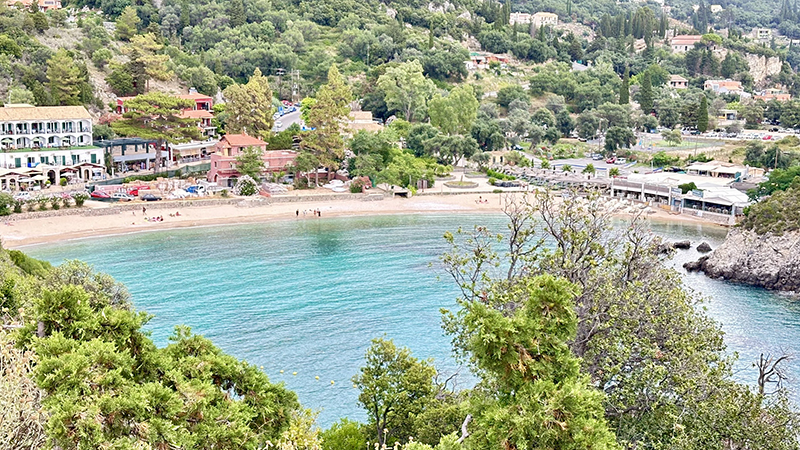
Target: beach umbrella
{"points": [[39, 178]]}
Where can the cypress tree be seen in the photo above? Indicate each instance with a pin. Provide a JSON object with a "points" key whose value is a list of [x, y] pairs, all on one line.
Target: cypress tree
{"points": [[646, 93], [702, 115], [624, 92]]}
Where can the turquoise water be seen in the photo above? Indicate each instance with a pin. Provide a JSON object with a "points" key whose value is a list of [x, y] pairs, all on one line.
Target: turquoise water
{"points": [[307, 296]]}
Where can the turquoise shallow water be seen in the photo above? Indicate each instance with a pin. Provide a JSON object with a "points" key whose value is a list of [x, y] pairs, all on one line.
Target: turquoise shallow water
{"points": [[307, 296]]}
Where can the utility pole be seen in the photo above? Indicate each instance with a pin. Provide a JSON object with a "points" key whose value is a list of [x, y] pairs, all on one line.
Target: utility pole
{"points": [[280, 71], [295, 86]]}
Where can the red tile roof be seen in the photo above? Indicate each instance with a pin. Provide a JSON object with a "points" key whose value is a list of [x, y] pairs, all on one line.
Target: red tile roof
{"points": [[197, 114], [241, 140]]}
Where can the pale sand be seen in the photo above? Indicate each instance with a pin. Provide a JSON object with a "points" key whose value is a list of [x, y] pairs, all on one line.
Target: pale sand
{"points": [[60, 228]]}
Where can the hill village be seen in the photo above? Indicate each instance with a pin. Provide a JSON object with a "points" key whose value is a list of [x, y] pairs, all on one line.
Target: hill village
{"points": [[51, 151]]}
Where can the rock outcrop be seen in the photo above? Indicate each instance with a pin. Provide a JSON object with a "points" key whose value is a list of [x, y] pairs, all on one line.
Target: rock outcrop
{"points": [[769, 261], [762, 67], [704, 248]]}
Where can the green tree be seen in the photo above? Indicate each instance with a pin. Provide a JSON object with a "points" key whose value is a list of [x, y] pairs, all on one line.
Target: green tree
{"points": [[18, 94], [672, 136], [327, 116], [624, 89], [407, 90], [455, 113], [237, 13], [451, 148], [588, 124], [394, 387], [613, 172], [127, 24], [702, 115], [618, 137], [646, 93], [250, 162], [508, 94], [532, 389], [249, 107], [146, 63], [63, 79], [589, 169], [157, 116], [344, 434]]}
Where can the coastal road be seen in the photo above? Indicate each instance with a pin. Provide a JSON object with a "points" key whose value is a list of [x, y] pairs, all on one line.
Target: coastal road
{"points": [[288, 119]]}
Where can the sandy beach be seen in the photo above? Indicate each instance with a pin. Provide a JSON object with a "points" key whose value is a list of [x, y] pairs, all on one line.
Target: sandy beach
{"points": [[20, 233]]}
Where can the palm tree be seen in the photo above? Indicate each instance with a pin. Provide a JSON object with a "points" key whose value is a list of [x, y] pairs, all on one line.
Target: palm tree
{"points": [[589, 169], [614, 172], [545, 164], [566, 168]]}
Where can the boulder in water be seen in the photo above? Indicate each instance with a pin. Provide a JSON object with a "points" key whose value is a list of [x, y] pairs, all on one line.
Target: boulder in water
{"points": [[683, 245], [704, 248], [695, 266]]}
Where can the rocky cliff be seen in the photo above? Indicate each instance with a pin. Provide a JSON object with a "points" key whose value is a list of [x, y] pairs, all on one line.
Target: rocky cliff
{"points": [[762, 67], [767, 260]]}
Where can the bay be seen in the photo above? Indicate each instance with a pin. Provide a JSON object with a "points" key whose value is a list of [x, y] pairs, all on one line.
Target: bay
{"points": [[307, 296]]}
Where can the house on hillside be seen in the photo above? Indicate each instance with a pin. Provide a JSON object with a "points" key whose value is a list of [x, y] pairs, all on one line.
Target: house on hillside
{"points": [[684, 42], [678, 82], [43, 5], [724, 87], [544, 19], [223, 161], [774, 94], [361, 120]]}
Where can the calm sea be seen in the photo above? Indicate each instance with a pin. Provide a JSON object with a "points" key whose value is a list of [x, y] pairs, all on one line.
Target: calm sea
{"points": [[307, 296]]}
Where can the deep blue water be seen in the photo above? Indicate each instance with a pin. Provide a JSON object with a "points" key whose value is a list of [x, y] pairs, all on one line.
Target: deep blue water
{"points": [[308, 296]]}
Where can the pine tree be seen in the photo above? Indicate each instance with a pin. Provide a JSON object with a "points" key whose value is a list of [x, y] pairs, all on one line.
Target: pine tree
{"points": [[702, 115], [249, 107], [646, 93], [624, 91], [157, 116], [63, 79], [237, 13]]}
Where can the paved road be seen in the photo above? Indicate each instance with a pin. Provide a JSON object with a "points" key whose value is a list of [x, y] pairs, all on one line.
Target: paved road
{"points": [[288, 119]]}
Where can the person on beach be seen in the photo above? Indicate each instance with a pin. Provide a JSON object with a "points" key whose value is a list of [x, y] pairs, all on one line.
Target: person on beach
{"points": [[144, 210], [297, 213]]}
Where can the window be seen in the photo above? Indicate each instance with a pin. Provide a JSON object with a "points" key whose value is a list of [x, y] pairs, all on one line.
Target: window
{"points": [[94, 158]]}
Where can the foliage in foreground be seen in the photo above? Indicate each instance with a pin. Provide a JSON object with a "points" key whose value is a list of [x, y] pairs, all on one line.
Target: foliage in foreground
{"points": [[104, 384], [640, 336]]}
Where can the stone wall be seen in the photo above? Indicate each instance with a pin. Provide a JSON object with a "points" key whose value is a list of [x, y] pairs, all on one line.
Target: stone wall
{"points": [[254, 202]]}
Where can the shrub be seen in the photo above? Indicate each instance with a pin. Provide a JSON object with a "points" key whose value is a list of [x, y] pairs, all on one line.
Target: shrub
{"points": [[497, 191], [246, 186], [30, 205], [80, 198], [55, 203], [30, 265], [132, 178], [344, 435], [224, 193], [357, 185], [499, 175], [686, 187], [63, 181], [492, 180], [42, 201], [18, 206], [6, 202]]}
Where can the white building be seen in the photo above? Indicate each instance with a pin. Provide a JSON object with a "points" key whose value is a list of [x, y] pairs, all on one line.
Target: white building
{"points": [[539, 19], [25, 126], [48, 135]]}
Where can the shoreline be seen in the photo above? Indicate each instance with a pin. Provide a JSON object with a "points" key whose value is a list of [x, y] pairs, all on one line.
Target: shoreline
{"points": [[69, 227]]}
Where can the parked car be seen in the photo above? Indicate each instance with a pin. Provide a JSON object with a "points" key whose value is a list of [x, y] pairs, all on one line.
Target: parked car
{"points": [[597, 156], [621, 161], [122, 196], [767, 137], [100, 195], [278, 124], [134, 190], [611, 160], [151, 198]]}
